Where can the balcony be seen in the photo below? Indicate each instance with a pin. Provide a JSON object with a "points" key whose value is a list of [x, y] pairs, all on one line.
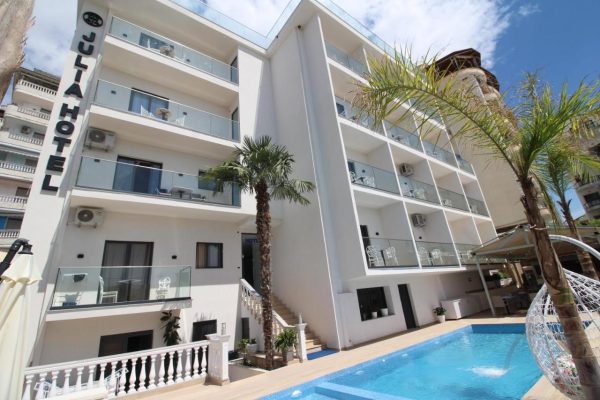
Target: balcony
{"points": [[348, 112], [433, 254], [465, 253], [344, 59], [439, 153], [403, 136], [13, 203], [26, 92], [372, 177], [24, 113], [453, 200], [17, 170], [8, 236], [159, 109], [170, 49], [591, 204], [580, 183], [419, 190], [390, 253], [117, 176], [110, 286], [465, 165], [477, 207]]}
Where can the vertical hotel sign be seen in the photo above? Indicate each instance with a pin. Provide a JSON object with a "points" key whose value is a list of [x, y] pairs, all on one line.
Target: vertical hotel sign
{"points": [[65, 126]]}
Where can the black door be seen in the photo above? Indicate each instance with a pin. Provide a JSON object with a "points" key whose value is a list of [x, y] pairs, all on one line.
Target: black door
{"points": [[364, 232], [202, 328], [251, 260], [407, 309], [125, 343], [130, 284]]}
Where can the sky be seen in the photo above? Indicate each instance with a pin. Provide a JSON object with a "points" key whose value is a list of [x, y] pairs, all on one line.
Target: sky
{"points": [[556, 38]]}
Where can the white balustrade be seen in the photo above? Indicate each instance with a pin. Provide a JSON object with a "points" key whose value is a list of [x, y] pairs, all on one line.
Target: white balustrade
{"points": [[15, 202], [9, 233], [37, 87], [121, 374], [17, 167], [26, 138], [33, 113]]}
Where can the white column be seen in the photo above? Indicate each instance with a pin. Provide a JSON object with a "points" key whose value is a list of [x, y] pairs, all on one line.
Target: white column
{"points": [[301, 335], [218, 363]]}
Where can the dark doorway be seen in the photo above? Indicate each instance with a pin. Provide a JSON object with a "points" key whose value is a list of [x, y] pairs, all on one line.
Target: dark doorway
{"points": [[138, 176], [125, 343], [201, 329], [251, 260], [407, 308], [127, 284]]}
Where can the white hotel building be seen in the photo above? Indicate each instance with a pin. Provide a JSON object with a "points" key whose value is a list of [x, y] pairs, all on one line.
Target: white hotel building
{"points": [[124, 229]]}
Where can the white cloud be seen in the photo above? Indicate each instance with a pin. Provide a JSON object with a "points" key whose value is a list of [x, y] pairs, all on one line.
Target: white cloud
{"points": [[440, 26], [528, 9]]}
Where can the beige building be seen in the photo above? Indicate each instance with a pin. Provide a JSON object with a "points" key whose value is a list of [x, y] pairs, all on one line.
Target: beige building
{"points": [[588, 191]]}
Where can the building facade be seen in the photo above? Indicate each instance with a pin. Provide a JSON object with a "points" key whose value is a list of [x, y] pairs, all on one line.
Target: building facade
{"points": [[152, 95], [588, 190], [23, 125]]}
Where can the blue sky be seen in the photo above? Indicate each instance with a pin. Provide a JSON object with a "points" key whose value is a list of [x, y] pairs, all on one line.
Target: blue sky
{"points": [[559, 38]]}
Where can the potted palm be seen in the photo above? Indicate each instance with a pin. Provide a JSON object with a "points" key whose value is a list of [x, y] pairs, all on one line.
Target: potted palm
{"points": [[243, 346], [285, 343], [440, 313]]}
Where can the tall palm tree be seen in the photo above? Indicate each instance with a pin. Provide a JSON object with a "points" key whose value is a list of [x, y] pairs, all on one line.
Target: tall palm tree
{"points": [[519, 136], [558, 169], [263, 168], [15, 20]]}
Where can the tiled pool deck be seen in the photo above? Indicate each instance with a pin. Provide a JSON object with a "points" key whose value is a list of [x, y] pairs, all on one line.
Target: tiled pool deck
{"points": [[280, 379]]}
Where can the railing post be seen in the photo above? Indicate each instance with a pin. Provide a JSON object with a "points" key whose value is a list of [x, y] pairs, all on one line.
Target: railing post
{"points": [[301, 335], [218, 362]]}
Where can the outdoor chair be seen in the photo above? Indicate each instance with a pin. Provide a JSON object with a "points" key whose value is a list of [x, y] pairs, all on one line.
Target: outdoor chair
{"points": [[390, 256], [374, 256], [164, 285], [111, 295]]}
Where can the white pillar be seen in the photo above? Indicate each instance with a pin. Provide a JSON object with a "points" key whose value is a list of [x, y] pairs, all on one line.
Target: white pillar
{"points": [[301, 341], [218, 362], [485, 289]]}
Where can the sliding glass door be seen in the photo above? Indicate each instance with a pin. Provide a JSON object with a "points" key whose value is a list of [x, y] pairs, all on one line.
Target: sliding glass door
{"points": [[126, 284], [139, 176]]}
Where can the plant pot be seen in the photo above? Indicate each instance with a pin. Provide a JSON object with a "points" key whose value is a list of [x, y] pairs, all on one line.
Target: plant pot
{"points": [[374, 314], [384, 312], [441, 318], [252, 348]]}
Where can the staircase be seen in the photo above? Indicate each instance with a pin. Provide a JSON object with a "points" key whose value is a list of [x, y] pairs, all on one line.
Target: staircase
{"points": [[313, 343]]}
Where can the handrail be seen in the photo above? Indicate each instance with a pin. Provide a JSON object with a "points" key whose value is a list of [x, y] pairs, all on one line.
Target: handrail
{"points": [[35, 86], [253, 301]]}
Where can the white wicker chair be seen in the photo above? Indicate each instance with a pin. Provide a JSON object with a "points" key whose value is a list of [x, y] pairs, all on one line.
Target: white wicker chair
{"points": [[374, 256]]}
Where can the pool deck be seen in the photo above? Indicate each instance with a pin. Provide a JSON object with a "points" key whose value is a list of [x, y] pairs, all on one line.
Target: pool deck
{"points": [[283, 378]]}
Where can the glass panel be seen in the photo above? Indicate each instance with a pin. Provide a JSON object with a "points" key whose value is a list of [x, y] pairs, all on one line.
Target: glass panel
{"points": [[366, 175], [477, 206], [154, 42], [464, 164], [158, 108], [101, 174], [453, 199], [439, 153], [418, 190], [345, 110], [403, 136], [93, 286], [348, 61], [434, 254], [390, 253], [465, 253]]}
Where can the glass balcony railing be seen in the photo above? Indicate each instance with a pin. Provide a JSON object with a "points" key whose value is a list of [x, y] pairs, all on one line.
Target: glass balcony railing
{"points": [[347, 61], [464, 165], [382, 253], [373, 177], [161, 109], [345, 110], [467, 257], [403, 136], [154, 42], [429, 113], [418, 190], [592, 203], [452, 199], [477, 206], [108, 286], [95, 173], [434, 254], [439, 153]]}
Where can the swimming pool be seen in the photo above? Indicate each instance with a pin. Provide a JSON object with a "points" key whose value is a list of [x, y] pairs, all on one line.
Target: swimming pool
{"points": [[489, 362]]}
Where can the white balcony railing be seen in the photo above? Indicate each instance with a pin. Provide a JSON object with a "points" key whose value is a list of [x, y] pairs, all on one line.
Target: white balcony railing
{"points": [[17, 167], [33, 113], [37, 87], [9, 233], [26, 138], [15, 202], [120, 374]]}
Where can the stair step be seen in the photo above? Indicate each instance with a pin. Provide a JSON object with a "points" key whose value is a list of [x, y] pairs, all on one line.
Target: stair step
{"points": [[310, 350], [312, 343]]}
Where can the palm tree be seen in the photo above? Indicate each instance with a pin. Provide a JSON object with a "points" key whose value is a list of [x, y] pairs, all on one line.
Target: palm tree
{"points": [[519, 136], [263, 168], [15, 20], [560, 165]]}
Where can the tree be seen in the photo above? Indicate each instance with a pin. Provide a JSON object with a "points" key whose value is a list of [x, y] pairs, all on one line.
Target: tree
{"points": [[263, 169], [559, 167], [520, 136], [15, 20]]}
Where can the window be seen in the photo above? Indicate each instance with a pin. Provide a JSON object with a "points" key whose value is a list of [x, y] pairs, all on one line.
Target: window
{"points": [[205, 185], [139, 176], [592, 198], [209, 255], [22, 192], [152, 42], [371, 300], [234, 71], [148, 105], [31, 162]]}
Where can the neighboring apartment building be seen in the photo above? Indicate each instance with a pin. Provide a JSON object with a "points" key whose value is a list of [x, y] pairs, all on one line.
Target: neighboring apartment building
{"points": [[588, 190], [153, 94], [23, 125]]}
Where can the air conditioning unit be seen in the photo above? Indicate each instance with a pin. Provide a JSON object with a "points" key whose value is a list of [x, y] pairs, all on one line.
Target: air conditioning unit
{"points": [[406, 170], [100, 139], [26, 130], [419, 220], [87, 216]]}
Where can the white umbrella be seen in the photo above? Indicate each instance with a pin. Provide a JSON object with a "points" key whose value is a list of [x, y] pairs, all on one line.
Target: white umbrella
{"points": [[16, 292]]}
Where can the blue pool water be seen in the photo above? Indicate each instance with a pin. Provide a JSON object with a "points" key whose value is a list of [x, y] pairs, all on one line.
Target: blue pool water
{"points": [[490, 362]]}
